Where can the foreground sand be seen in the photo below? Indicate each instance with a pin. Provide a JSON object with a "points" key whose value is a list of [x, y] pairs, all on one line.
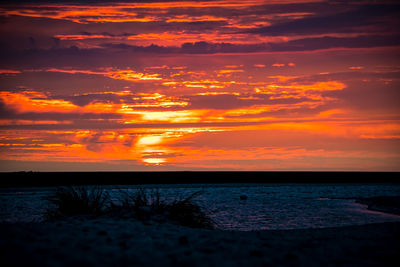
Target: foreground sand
{"points": [[106, 241]]}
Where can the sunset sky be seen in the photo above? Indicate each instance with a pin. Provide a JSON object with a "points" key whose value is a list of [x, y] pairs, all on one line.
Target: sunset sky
{"points": [[199, 85]]}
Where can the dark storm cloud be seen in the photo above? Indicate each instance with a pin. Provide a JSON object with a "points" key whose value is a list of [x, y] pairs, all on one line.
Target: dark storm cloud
{"points": [[306, 44], [92, 57], [9, 113], [201, 47], [221, 101], [350, 75], [309, 44], [205, 48], [112, 98], [62, 82], [375, 25], [83, 100], [373, 17]]}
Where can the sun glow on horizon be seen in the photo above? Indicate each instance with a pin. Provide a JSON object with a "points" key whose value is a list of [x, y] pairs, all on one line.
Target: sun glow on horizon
{"points": [[200, 85]]}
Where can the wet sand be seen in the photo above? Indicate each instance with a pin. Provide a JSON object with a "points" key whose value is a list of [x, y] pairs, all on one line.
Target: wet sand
{"points": [[108, 241]]}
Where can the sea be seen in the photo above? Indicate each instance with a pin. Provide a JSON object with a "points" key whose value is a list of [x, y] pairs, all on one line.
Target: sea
{"points": [[267, 207]]}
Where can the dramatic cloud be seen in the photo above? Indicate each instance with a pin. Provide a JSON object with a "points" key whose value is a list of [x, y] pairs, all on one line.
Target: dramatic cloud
{"points": [[370, 18], [194, 85]]}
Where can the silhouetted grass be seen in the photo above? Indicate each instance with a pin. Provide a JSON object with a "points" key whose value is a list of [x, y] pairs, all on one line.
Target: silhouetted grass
{"points": [[186, 213], [150, 206], [70, 201], [141, 205]]}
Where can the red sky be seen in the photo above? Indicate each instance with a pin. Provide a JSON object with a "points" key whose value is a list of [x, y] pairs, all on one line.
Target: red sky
{"points": [[199, 85]]}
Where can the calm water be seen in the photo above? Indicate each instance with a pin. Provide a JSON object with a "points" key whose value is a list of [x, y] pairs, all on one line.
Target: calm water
{"points": [[269, 206]]}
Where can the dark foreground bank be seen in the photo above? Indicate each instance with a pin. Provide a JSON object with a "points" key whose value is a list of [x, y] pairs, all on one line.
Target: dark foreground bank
{"points": [[112, 242], [16, 179], [126, 241]]}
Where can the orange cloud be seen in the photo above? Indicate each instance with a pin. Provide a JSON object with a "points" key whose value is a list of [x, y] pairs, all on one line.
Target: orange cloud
{"points": [[34, 101], [128, 75], [230, 71], [356, 68], [296, 88], [9, 72]]}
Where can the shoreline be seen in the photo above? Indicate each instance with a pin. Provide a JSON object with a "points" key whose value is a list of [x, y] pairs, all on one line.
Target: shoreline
{"points": [[110, 241], [385, 204]]}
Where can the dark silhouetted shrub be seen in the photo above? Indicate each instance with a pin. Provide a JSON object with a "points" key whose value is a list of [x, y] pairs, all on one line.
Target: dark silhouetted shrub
{"points": [[141, 205], [186, 213], [69, 201]]}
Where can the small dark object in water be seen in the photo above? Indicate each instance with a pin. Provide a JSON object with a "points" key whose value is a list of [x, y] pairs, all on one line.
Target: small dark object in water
{"points": [[183, 240], [243, 197]]}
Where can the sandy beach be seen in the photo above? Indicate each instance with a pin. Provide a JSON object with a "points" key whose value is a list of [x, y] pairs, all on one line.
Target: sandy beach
{"points": [[110, 240], [113, 242]]}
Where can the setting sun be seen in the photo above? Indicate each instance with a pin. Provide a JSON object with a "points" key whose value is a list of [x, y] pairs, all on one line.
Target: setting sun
{"points": [[211, 85]]}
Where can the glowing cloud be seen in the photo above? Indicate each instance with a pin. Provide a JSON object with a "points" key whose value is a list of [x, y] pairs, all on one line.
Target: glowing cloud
{"points": [[194, 85]]}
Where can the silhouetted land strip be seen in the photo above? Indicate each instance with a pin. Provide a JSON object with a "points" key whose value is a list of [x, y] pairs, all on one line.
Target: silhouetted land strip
{"points": [[189, 177]]}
